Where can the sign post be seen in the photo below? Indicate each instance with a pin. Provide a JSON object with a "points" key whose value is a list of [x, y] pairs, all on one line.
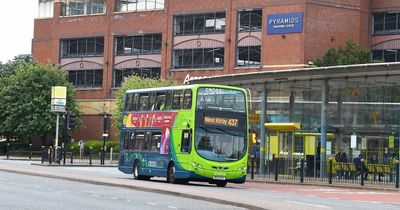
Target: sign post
{"points": [[58, 103]]}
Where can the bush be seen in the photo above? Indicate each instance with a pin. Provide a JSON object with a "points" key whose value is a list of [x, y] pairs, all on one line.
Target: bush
{"points": [[96, 146]]}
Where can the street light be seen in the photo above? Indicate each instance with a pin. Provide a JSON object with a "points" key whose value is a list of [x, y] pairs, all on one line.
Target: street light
{"points": [[105, 135]]}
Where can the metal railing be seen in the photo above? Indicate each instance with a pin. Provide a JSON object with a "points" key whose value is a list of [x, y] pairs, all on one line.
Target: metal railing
{"points": [[281, 169]]}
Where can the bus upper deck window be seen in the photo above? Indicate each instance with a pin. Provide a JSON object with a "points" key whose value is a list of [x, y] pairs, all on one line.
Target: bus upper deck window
{"points": [[143, 101], [178, 99], [187, 99]]}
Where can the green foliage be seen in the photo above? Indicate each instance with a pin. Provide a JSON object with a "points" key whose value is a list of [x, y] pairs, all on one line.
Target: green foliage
{"points": [[135, 82], [9, 68], [96, 146], [351, 54], [26, 96]]}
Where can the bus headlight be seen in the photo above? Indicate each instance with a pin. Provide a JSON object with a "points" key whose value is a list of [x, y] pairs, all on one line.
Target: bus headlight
{"points": [[194, 164], [244, 168]]}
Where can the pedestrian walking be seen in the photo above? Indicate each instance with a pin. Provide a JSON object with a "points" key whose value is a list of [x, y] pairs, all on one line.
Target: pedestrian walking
{"points": [[81, 145]]}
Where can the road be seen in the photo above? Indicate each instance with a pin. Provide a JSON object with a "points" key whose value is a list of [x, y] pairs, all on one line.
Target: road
{"points": [[29, 192], [249, 195]]}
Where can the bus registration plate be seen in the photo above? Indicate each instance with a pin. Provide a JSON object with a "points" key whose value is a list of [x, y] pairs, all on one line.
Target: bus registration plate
{"points": [[219, 178]]}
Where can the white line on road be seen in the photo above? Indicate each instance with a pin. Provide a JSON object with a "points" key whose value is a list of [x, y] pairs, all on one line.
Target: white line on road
{"points": [[172, 207], [308, 204], [153, 204]]}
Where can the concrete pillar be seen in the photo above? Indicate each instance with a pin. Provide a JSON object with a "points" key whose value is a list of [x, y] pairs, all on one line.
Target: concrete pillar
{"points": [[324, 101], [263, 100]]}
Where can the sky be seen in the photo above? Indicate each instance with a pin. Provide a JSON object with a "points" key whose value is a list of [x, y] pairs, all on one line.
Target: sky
{"points": [[16, 22]]}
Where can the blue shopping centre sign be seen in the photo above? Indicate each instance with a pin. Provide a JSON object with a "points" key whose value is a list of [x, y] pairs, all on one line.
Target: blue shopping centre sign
{"points": [[285, 23]]}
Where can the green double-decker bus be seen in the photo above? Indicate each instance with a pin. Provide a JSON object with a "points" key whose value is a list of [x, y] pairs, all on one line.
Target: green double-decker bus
{"points": [[186, 133]]}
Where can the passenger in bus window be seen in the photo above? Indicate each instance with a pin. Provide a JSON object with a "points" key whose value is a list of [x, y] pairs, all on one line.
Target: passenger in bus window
{"points": [[204, 143]]}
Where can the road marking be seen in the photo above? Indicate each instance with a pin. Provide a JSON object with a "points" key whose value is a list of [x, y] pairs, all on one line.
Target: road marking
{"points": [[95, 195], [308, 204], [114, 198], [172, 207], [153, 204]]}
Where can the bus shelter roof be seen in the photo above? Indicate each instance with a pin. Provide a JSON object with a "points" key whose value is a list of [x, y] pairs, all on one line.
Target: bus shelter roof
{"points": [[283, 126]]}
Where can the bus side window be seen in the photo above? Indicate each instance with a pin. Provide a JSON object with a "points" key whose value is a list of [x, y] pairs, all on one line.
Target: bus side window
{"points": [[139, 140], [186, 140], [126, 140], [144, 101], [168, 100], [156, 141], [160, 101], [128, 102], [187, 99], [152, 104], [147, 141], [135, 106], [177, 99], [131, 140]]}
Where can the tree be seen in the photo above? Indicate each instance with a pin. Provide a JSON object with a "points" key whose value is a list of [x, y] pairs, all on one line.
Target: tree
{"points": [[135, 82], [26, 96], [9, 68], [351, 54]]}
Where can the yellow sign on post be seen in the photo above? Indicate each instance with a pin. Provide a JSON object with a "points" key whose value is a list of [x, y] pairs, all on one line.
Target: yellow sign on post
{"points": [[59, 92], [58, 98]]}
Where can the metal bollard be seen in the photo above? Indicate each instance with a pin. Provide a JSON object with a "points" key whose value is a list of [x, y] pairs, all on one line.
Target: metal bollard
{"points": [[397, 166], [362, 172], [111, 154], [8, 150], [30, 151], [276, 168], [252, 166], [101, 156], [64, 153], [72, 155], [50, 154], [302, 169], [90, 155], [43, 154], [330, 170]]}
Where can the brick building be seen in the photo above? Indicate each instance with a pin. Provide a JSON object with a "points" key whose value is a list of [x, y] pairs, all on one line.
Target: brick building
{"points": [[100, 42]]}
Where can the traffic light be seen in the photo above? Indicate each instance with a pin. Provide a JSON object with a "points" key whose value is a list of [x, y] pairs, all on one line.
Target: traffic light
{"points": [[71, 124], [70, 120]]}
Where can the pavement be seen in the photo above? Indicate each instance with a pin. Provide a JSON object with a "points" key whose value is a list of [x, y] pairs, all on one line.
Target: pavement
{"points": [[348, 190]]}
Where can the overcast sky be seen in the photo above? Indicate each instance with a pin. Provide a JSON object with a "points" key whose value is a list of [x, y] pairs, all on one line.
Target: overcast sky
{"points": [[16, 22]]}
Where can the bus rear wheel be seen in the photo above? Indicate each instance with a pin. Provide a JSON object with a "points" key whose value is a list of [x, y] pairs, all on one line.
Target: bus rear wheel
{"points": [[171, 174], [221, 184]]}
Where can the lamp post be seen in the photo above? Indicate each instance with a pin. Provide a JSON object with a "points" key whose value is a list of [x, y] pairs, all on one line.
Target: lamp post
{"points": [[105, 135]]}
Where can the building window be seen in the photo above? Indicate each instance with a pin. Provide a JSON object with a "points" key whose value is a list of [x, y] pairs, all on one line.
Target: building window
{"points": [[199, 23], [250, 20], [249, 56], [46, 8], [387, 55], [138, 5], [386, 23], [198, 58], [82, 47], [86, 78], [83, 7], [121, 74], [137, 45]]}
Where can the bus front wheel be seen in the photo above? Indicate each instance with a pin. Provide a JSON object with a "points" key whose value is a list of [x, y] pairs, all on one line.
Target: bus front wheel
{"points": [[136, 169], [171, 174]]}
